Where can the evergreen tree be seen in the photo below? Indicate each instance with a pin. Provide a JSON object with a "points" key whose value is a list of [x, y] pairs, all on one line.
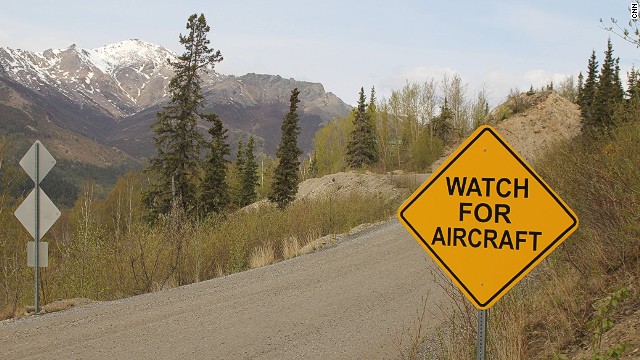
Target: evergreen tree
{"points": [[608, 93], [235, 174], [249, 175], [633, 83], [531, 90], [372, 110], [240, 156], [177, 140], [580, 86], [618, 88], [361, 148], [285, 183], [587, 96], [371, 107], [215, 189], [442, 124]]}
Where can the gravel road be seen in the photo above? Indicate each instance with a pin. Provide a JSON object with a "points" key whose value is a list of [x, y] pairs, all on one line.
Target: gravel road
{"points": [[349, 301]]}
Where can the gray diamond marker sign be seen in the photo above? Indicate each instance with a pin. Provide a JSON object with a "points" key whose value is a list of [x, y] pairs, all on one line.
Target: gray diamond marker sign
{"points": [[49, 213], [45, 161]]}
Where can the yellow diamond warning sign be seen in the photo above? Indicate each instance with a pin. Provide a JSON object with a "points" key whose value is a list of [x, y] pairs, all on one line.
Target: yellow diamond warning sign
{"points": [[486, 217]]}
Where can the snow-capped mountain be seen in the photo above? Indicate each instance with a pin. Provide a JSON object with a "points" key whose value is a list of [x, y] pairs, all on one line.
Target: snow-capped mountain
{"points": [[111, 94], [121, 78]]}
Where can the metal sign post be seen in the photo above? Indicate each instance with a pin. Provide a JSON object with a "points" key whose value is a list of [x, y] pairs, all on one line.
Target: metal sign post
{"points": [[37, 214], [37, 228], [482, 334]]}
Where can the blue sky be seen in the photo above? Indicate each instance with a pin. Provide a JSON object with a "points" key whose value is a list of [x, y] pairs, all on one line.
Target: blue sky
{"points": [[344, 44]]}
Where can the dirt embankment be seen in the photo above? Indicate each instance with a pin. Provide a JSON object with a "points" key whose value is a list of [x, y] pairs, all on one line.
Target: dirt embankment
{"points": [[548, 120], [345, 184]]}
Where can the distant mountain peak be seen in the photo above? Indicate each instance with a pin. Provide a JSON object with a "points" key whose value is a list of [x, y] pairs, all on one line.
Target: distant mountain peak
{"points": [[112, 93]]}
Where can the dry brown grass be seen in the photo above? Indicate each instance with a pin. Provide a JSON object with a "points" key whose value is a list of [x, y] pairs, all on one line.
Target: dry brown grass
{"points": [[262, 256], [6, 313], [506, 327], [219, 271], [291, 248], [65, 304]]}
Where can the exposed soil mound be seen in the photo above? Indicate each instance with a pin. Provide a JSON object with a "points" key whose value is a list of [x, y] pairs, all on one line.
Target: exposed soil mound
{"points": [[342, 185], [345, 184], [548, 119]]}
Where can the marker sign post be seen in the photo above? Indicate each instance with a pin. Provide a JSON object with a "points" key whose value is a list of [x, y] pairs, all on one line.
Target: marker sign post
{"points": [[486, 218], [37, 213]]}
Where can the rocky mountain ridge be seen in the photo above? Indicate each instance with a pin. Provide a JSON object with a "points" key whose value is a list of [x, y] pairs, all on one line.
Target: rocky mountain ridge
{"points": [[111, 94]]}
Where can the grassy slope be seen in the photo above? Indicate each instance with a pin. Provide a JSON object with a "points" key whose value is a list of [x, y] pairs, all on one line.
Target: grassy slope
{"points": [[565, 307], [600, 179]]}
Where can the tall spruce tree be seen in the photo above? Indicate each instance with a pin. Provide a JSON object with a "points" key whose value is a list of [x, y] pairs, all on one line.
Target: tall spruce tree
{"points": [[633, 83], [618, 88], [285, 183], [249, 175], [361, 148], [236, 174], [372, 110], [442, 124], [177, 140], [240, 155], [587, 96], [608, 93], [215, 188], [580, 86]]}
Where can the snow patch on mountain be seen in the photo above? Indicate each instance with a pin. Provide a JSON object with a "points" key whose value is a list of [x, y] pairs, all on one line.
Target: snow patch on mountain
{"points": [[131, 53], [98, 60]]}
